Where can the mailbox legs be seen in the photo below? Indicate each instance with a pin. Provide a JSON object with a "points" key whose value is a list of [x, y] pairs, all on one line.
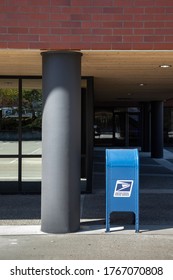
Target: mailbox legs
{"points": [[136, 223]]}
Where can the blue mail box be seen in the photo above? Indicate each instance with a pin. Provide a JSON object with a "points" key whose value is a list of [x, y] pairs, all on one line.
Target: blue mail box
{"points": [[122, 183]]}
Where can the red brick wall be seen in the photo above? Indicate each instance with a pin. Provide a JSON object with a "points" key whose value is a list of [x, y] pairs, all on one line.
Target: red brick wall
{"points": [[87, 24]]}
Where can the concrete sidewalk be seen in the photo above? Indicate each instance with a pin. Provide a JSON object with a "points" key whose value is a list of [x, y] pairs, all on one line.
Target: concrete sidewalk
{"points": [[21, 238], [83, 246]]}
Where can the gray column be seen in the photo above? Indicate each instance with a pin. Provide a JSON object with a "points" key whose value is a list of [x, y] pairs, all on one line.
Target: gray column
{"points": [[61, 144], [157, 129]]}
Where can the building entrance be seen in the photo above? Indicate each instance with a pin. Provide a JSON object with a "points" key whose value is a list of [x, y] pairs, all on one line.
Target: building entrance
{"points": [[119, 127]]}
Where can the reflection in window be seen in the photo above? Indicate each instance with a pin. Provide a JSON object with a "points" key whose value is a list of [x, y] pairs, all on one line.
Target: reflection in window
{"points": [[119, 126], [9, 117], [20, 129], [31, 169], [134, 129], [32, 147], [168, 126], [103, 125], [31, 116], [8, 169]]}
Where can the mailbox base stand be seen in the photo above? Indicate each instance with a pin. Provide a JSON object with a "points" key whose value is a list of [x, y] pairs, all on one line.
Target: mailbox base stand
{"points": [[108, 223]]}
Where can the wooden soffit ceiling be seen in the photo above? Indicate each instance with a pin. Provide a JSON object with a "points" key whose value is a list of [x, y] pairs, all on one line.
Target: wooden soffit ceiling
{"points": [[118, 75]]}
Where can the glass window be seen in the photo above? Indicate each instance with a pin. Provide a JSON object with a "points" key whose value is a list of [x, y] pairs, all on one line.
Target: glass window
{"points": [[31, 169], [31, 116], [8, 169], [32, 147], [9, 116], [168, 126], [120, 129], [103, 125], [134, 130], [20, 130]]}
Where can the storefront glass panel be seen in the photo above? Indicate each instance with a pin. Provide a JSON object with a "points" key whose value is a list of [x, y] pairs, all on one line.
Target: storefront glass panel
{"points": [[103, 126], [168, 126], [9, 116], [20, 134], [31, 116], [118, 126], [8, 169], [119, 129], [31, 169], [134, 129]]}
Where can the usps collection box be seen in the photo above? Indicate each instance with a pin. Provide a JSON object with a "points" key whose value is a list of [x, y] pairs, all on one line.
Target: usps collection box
{"points": [[122, 183]]}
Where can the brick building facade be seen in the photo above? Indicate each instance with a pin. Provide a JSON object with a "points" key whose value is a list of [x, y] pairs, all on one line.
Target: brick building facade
{"points": [[86, 25]]}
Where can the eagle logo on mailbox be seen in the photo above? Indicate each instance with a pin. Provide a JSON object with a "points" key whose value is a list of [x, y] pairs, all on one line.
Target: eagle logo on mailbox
{"points": [[123, 188]]}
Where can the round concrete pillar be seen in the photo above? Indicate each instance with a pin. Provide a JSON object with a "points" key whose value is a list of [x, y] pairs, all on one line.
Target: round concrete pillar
{"points": [[61, 144]]}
